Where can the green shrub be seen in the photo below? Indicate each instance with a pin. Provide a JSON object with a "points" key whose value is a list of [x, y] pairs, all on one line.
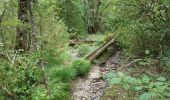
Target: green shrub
{"points": [[59, 91], [82, 67], [65, 57], [84, 50], [65, 74], [139, 30], [20, 76]]}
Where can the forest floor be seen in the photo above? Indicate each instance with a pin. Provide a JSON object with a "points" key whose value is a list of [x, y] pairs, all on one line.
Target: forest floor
{"points": [[96, 86], [93, 86]]}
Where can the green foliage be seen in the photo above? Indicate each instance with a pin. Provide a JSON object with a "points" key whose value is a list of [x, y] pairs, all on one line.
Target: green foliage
{"points": [[60, 91], [84, 50], [82, 67], [22, 77], [23, 73], [145, 25], [65, 74], [147, 87], [69, 12], [165, 61], [145, 96]]}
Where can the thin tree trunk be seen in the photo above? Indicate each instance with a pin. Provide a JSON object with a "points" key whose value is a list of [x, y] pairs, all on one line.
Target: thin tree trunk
{"points": [[22, 36], [33, 39], [1, 18]]}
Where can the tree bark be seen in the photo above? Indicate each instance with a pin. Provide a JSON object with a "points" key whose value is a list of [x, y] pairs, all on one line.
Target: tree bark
{"points": [[22, 36], [33, 39], [1, 29]]}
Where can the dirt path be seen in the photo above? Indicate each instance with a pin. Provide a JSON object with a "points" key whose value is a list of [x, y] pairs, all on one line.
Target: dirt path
{"points": [[94, 86]]}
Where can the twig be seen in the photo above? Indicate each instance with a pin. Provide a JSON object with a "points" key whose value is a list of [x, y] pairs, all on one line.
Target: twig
{"points": [[12, 60], [8, 92], [133, 62]]}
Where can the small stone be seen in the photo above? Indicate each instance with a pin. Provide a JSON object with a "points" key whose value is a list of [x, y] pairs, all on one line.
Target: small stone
{"points": [[102, 69]]}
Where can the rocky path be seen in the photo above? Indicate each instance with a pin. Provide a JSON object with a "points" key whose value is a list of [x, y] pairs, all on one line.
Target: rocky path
{"points": [[94, 86]]}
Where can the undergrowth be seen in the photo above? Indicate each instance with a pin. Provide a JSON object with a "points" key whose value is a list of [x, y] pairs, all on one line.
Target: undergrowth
{"points": [[147, 80], [82, 67]]}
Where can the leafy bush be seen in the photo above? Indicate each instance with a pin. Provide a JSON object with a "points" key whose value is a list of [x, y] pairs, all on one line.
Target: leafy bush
{"points": [[19, 77], [82, 67], [165, 61], [146, 86], [144, 25], [59, 90]]}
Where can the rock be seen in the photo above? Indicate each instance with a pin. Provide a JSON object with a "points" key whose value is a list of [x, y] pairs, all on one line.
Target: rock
{"points": [[95, 74]]}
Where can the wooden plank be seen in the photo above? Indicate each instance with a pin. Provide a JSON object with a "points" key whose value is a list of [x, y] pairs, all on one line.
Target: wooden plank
{"points": [[101, 49]]}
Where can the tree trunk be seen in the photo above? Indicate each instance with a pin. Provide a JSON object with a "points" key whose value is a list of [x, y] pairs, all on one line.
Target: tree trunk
{"points": [[93, 16], [33, 39], [2, 38], [22, 36]]}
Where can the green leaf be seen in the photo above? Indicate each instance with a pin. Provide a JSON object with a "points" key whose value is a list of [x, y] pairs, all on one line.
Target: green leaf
{"points": [[161, 79], [146, 79], [112, 75], [138, 88], [167, 94], [131, 80], [159, 84], [115, 81], [138, 81], [145, 96], [147, 52], [152, 93], [126, 86], [120, 74]]}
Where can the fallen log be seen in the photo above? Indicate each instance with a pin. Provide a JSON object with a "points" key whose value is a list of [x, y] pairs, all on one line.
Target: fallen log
{"points": [[77, 42], [101, 49]]}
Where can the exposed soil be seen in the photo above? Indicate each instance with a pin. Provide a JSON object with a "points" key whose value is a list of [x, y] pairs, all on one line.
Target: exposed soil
{"points": [[93, 86]]}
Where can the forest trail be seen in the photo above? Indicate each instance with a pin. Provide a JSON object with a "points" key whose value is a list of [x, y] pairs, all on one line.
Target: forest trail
{"points": [[93, 86]]}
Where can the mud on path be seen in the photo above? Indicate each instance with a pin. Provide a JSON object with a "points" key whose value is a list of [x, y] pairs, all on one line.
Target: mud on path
{"points": [[93, 86]]}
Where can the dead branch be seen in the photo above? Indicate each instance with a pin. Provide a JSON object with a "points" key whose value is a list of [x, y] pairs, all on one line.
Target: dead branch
{"points": [[132, 63], [45, 78], [8, 92], [12, 60]]}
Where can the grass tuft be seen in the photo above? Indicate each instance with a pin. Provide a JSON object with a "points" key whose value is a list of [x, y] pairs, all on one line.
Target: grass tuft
{"points": [[82, 67], [65, 74]]}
